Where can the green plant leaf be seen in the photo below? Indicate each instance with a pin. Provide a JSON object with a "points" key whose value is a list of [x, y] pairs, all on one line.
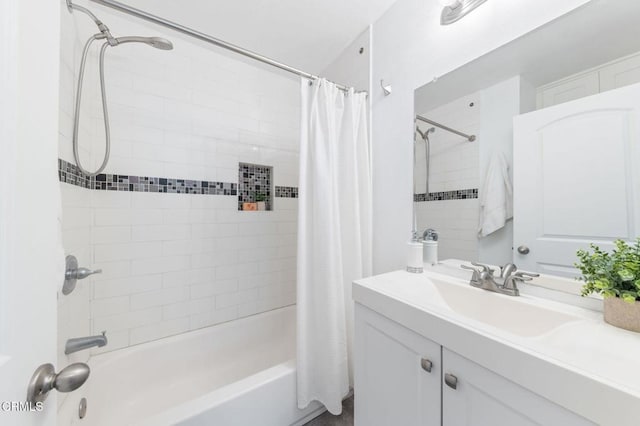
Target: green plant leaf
{"points": [[629, 297], [601, 284], [614, 273], [626, 275]]}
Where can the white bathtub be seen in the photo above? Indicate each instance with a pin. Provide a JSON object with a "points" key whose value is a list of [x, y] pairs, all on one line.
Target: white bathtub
{"points": [[240, 373]]}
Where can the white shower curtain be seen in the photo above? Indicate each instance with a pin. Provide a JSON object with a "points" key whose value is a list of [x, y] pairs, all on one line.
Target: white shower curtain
{"points": [[334, 237]]}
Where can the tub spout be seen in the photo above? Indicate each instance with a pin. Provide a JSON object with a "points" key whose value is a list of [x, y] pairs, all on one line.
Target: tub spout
{"points": [[82, 343]]}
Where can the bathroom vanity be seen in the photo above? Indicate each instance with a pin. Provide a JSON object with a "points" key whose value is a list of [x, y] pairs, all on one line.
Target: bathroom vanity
{"points": [[430, 350]]}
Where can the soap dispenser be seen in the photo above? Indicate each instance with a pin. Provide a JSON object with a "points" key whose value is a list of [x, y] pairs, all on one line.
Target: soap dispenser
{"points": [[430, 247], [414, 255]]}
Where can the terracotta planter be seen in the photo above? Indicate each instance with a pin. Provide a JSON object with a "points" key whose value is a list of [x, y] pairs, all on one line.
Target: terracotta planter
{"points": [[622, 314]]}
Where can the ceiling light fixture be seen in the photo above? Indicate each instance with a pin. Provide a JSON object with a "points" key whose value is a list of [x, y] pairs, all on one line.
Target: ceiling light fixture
{"points": [[455, 10]]}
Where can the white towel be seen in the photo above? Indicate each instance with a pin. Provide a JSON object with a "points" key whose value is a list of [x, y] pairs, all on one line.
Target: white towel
{"points": [[496, 200]]}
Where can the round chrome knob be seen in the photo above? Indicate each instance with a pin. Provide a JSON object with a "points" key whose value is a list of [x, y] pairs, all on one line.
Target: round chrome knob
{"points": [[523, 250], [45, 379], [71, 377]]}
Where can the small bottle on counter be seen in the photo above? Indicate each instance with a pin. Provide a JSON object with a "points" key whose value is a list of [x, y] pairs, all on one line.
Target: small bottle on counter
{"points": [[430, 247], [414, 255]]}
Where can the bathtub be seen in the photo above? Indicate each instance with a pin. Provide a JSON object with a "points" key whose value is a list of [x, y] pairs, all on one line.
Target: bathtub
{"points": [[240, 373]]}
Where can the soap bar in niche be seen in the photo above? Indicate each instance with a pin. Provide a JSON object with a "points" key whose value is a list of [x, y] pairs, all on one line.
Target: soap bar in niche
{"points": [[250, 206]]}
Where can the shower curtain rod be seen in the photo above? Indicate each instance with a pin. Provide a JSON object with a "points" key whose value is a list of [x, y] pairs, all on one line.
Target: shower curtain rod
{"points": [[207, 38], [470, 138]]}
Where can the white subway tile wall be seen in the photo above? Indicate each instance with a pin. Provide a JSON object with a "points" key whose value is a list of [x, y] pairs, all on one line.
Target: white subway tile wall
{"points": [[454, 165], [172, 278], [176, 262], [456, 222]]}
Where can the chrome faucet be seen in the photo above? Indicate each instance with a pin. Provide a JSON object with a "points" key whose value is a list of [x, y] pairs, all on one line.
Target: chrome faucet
{"points": [[505, 283], [82, 343]]}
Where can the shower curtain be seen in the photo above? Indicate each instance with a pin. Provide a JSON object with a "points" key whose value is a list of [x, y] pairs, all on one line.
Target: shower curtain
{"points": [[334, 237]]}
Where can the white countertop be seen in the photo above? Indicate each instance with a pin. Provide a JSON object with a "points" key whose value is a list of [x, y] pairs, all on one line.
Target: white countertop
{"points": [[585, 365]]}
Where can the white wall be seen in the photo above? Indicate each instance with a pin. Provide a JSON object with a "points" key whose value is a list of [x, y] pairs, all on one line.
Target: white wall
{"points": [[352, 68], [177, 262], [409, 49], [501, 103], [30, 250]]}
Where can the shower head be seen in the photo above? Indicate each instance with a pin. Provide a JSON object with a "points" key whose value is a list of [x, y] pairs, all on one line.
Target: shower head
{"points": [[425, 135], [157, 42]]}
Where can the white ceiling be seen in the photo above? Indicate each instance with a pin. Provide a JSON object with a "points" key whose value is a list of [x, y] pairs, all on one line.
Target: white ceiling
{"points": [[307, 34]]}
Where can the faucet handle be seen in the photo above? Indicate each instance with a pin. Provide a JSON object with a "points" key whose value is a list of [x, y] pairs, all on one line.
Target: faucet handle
{"points": [[526, 276], [469, 268], [485, 268], [476, 272], [510, 282]]}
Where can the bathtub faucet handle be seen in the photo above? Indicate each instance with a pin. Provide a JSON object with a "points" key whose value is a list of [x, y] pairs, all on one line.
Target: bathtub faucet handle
{"points": [[73, 273]]}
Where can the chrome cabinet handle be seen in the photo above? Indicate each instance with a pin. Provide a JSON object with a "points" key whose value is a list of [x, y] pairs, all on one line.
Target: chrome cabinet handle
{"points": [[523, 250], [451, 381], [426, 365]]}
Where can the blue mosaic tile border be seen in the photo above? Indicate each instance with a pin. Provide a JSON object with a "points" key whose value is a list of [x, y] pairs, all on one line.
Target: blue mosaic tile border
{"points": [[69, 173], [460, 194]]}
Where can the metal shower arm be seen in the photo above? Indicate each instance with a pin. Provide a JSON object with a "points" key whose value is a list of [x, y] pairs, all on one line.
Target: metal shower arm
{"points": [[470, 138], [101, 26]]}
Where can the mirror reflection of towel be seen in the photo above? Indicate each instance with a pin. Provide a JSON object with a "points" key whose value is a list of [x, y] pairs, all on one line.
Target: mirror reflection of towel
{"points": [[496, 197]]}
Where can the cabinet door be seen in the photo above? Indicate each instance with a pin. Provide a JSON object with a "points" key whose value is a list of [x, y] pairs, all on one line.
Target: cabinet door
{"points": [[391, 385], [483, 398], [620, 74], [569, 90]]}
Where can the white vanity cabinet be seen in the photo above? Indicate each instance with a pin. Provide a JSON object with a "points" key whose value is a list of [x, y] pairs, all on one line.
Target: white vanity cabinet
{"points": [[392, 379], [392, 387]]}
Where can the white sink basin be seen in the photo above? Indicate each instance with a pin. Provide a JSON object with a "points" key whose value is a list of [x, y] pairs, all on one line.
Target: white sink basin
{"points": [[504, 312]]}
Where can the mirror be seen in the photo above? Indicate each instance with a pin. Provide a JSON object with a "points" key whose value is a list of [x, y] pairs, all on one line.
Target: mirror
{"points": [[546, 127]]}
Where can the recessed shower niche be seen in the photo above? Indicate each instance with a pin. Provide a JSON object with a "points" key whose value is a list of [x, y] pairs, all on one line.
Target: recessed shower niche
{"points": [[255, 191]]}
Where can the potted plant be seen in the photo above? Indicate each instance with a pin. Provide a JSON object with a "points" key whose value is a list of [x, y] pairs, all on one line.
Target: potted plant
{"points": [[616, 276], [261, 200]]}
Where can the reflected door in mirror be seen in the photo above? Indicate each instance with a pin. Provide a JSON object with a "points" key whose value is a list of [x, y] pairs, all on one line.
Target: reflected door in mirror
{"points": [[576, 178]]}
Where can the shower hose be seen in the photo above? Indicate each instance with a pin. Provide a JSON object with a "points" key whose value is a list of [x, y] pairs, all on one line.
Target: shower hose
{"points": [[105, 112]]}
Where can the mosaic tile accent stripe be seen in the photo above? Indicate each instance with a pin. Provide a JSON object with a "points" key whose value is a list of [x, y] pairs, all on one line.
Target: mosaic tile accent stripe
{"points": [[69, 173], [460, 194], [254, 180], [106, 182], [286, 192]]}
